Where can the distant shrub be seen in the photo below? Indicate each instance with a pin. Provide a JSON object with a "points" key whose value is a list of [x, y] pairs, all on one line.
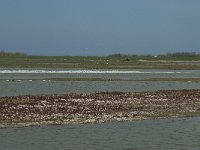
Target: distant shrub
{"points": [[121, 55], [11, 54], [183, 54]]}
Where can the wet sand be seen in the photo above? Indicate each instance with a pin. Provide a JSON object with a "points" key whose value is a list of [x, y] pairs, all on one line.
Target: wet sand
{"points": [[22, 111]]}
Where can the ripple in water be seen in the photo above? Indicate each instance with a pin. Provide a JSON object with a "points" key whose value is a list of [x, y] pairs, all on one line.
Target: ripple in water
{"points": [[183, 133]]}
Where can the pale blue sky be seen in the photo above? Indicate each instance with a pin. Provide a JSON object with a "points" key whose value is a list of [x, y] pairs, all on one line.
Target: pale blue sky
{"points": [[99, 27]]}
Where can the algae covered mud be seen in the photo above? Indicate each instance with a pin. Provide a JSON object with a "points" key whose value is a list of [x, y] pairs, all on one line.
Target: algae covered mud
{"points": [[23, 111]]}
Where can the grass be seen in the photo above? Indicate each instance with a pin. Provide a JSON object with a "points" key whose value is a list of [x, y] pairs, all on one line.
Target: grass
{"points": [[82, 79], [94, 62], [70, 79], [174, 79]]}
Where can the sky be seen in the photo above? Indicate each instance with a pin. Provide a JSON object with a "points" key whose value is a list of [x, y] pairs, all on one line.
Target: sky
{"points": [[99, 27]]}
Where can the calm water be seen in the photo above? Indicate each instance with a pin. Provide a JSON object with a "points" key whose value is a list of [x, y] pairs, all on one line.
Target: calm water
{"points": [[165, 134], [25, 87]]}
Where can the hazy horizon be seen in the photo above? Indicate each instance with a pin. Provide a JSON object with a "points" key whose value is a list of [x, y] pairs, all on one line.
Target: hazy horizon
{"points": [[99, 28], [106, 54]]}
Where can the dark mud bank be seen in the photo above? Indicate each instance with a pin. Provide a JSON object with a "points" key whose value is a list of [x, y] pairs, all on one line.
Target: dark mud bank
{"points": [[24, 111]]}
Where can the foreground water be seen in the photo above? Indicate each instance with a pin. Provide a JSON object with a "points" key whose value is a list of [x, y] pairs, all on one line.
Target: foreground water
{"points": [[34, 82], [165, 134]]}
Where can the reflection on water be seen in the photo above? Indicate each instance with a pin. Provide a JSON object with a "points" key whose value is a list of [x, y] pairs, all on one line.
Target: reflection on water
{"points": [[163, 134], [30, 83]]}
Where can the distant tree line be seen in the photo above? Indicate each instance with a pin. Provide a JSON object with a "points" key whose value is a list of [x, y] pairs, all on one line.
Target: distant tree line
{"points": [[183, 54], [177, 54], [4, 53]]}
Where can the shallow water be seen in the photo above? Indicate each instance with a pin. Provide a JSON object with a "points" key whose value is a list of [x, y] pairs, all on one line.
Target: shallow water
{"points": [[165, 134], [17, 82]]}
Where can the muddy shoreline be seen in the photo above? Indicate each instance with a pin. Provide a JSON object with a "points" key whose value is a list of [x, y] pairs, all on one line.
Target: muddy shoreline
{"points": [[22, 111]]}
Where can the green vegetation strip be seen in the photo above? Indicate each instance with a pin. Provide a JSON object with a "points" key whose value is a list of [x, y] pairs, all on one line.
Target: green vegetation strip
{"points": [[82, 79], [178, 61], [64, 79], [107, 79], [174, 79]]}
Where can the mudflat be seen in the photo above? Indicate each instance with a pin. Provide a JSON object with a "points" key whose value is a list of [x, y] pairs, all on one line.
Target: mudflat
{"points": [[22, 111]]}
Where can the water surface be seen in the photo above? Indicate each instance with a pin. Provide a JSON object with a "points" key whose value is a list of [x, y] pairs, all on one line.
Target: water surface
{"points": [[165, 134], [31, 82]]}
